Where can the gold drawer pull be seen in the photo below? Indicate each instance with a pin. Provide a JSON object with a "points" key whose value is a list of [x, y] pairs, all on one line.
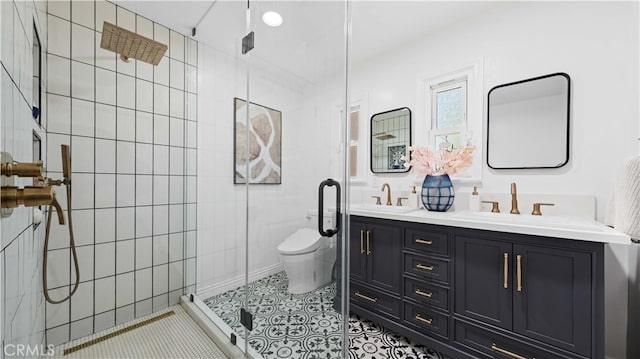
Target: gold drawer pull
{"points": [[495, 348], [420, 266], [423, 241], [368, 244], [424, 320], [361, 241], [424, 294], [357, 294]]}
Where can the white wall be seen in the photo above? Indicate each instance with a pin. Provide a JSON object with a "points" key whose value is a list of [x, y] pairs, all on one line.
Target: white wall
{"points": [[275, 211], [596, 43]]}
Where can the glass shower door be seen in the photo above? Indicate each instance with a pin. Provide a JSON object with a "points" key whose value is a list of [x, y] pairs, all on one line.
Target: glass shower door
{"points": [[296, 91]]}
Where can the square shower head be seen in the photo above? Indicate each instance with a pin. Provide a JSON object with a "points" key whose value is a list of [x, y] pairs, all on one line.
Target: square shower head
{"points": [[131, 45]]}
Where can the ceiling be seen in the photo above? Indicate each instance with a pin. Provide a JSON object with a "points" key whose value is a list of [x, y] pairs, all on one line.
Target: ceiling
{"points": [[310, 43]]}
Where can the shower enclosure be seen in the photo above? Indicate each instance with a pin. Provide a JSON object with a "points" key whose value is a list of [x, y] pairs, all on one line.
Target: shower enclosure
{"points": [[272, 128]]}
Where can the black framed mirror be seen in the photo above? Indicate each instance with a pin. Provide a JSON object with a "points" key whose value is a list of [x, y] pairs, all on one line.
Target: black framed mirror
{"points": [[390, 140], [528, 123]]}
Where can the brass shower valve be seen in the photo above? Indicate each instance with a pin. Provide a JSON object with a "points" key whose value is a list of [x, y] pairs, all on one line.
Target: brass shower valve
{"points": [[22, 169], [30, 196]]}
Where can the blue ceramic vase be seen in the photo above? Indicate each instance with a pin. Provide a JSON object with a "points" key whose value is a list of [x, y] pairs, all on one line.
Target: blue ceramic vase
{"points": [[437, 193]]}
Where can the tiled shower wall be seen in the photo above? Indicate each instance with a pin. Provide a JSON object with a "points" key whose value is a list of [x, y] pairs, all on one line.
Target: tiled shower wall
{"points": [[132, 130], [23, 310]]}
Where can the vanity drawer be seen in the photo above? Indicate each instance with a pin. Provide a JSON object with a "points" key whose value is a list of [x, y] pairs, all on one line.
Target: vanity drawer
{"points": [[427, 267], [488, 344], [427, 241], [375, 301], [426, 319], [426, 293]]}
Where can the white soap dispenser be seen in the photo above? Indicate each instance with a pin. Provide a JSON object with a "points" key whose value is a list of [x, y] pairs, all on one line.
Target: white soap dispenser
{"points": [[474, 200]]}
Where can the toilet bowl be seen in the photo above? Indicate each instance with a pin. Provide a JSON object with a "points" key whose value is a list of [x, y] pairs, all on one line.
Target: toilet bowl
{"points": [[308, 257]]}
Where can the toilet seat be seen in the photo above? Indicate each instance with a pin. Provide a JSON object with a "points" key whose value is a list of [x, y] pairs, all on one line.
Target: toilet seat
{"points": [[304, 240]]}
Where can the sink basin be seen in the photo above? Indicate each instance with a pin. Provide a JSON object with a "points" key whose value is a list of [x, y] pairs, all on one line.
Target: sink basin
{"points": [[375, 208], [560, 222]]}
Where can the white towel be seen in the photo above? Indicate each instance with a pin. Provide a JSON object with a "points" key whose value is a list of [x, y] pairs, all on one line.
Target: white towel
{"points": [[625, 204]]}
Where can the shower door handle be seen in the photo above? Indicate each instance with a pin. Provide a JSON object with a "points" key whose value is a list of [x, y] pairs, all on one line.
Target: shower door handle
{"points": [[328, 183]]}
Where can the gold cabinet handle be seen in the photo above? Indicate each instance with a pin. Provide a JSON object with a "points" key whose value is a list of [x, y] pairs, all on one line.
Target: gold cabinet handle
{"points": [[519, 271], [424, 320], [368, 242], [495, 348], [360, 295], [424, 241], [424, 294], [361, 241], [420, 266], [506, 270]]}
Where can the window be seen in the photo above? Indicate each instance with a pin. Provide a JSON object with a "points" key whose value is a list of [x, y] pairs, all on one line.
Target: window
{"points": [[354, 136], [449, 112], [37, 74], [452, 101]]}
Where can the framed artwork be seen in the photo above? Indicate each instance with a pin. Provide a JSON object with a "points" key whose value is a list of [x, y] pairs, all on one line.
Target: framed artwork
{"points": [[263, 151]]}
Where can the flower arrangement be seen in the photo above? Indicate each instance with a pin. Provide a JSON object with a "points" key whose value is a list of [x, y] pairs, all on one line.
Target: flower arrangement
{"points": [[446, 160]]}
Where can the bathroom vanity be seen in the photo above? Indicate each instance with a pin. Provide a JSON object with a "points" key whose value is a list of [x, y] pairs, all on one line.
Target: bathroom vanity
{"points": [[482, 287]]}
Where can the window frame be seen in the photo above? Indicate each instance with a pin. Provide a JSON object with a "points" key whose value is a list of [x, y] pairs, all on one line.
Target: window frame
{"points": [[473, 72]]}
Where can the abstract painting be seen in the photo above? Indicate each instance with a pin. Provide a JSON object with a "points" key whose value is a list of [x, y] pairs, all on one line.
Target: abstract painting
{"points": [[263, 149]]}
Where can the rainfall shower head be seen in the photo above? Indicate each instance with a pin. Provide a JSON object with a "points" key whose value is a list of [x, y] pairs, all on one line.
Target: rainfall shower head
{"points": [[131, 45]]}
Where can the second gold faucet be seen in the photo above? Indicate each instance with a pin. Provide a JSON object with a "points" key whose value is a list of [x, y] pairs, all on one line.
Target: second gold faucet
{"points": [[386, 185]]}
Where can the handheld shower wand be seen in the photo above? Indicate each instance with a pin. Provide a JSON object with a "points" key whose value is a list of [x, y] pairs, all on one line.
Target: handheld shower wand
{"points": [[66, 172]]}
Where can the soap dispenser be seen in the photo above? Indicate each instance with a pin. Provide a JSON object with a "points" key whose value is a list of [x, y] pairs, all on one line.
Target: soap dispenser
{"points": [[474, 200], [414, 198]]}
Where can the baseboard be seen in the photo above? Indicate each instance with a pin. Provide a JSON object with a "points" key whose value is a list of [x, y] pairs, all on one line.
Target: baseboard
{"points": [[209, 291]]}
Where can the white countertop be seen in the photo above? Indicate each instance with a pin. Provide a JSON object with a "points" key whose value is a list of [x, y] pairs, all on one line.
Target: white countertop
{"points": [[568, 227]]}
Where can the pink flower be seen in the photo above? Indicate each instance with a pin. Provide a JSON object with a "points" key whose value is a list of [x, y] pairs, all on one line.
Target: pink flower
{"points": [[446, 160]]}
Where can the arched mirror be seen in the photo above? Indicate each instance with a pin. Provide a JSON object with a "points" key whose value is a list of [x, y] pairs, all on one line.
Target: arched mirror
{"points": [[390, 140], [528, 123]]}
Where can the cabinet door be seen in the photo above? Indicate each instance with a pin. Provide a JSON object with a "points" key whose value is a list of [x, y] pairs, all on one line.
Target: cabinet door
{"points": [[384, 257], [554, 300], [480, 277], [357, 253]]}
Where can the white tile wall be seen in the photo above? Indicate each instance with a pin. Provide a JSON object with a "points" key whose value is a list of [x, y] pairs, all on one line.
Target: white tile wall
{"points": [[115, 115], [21, 302]]}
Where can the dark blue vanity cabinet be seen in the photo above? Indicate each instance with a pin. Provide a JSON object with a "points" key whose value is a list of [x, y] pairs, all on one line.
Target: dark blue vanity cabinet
{"points": [[482, 294], [375, 264]]}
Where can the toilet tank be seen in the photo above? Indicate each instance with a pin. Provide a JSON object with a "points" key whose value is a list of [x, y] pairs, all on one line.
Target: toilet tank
{"points": [[328, 217]]}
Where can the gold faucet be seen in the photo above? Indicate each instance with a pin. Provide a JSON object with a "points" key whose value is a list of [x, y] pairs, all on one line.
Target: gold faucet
{"points": [[386, 185], [514, 199]]}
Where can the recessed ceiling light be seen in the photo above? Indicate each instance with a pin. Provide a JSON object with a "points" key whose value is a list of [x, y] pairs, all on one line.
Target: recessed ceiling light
{"points": [[272, 18]]}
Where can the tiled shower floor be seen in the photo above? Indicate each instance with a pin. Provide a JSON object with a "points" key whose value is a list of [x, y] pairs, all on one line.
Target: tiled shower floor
{"points": [[306, 326], [174, 336]]}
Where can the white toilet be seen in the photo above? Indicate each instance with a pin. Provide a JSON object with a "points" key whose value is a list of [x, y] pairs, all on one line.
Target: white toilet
{"points": [[308, 257]]}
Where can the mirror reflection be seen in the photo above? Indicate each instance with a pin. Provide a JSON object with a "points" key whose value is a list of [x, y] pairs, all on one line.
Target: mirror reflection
{"points": [[390, 140], [528, 123]]}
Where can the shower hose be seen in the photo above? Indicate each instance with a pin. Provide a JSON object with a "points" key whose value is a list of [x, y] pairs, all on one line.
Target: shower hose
{"points": [[45, 287]]}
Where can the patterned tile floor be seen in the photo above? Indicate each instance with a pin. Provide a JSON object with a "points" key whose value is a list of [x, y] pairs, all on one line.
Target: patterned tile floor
{"points": [[306, 326]]}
